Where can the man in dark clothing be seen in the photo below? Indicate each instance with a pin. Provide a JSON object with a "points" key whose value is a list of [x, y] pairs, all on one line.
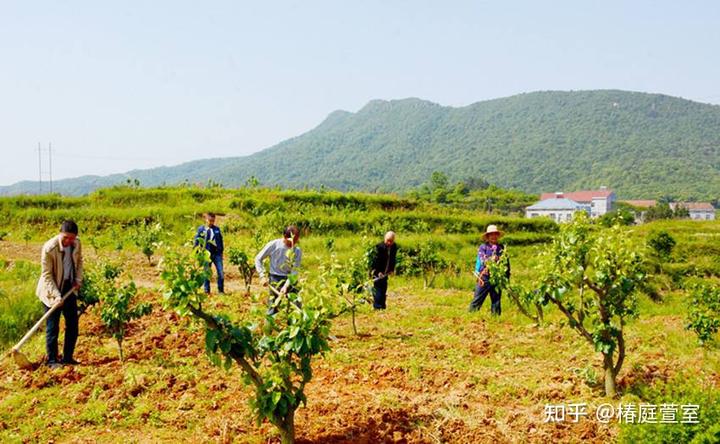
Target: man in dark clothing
{"points": [[490, 250], [211, 236], [383, 265]]}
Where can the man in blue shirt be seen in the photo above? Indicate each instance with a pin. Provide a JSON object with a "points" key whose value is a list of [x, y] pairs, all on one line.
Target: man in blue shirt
{"points": [[210, 235]]}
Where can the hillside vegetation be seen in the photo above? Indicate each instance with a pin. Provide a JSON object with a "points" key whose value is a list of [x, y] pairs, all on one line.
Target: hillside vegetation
{"points": [[641, 145]]}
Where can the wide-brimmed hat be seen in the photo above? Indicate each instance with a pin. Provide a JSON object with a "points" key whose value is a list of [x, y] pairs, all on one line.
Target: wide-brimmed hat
{"points": [[492, 229]]}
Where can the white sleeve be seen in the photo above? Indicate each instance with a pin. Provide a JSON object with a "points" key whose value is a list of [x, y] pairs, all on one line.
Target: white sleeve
{"points": [[265, 252]]}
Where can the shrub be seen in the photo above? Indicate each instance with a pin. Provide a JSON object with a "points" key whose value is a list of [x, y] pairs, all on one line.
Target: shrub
{"points": [[661, 243], [704, 311], [682, 390]]}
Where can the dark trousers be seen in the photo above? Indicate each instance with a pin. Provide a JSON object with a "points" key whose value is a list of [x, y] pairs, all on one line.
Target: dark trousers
{"points": [[69, 311], [277, 281], [481, 292], [380, 293], [218, 261]]}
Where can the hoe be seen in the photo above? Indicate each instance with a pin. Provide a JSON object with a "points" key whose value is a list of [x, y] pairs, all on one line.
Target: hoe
{"points": [[20, 359]]}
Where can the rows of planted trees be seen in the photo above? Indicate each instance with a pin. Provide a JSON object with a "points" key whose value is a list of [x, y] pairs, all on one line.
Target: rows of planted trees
{"points": [[583, 274]]}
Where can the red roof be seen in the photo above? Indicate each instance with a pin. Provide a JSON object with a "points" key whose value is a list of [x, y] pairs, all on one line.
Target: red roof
{"points": [[579, 196], [697, 206]]}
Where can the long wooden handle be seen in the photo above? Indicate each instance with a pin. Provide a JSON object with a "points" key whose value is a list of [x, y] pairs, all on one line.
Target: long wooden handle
{"points": [[275, 290], [42, 319]]}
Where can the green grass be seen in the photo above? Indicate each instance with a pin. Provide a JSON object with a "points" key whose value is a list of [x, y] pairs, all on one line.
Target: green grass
{"points": [[19, 307]]}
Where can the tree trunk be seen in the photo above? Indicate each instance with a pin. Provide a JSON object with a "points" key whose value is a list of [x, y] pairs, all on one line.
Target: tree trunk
{"points": [[286, 426], [353, 321], [540, 314], [610, 385], [122, 359]]}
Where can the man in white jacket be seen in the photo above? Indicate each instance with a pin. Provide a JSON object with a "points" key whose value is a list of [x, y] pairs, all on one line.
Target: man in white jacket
{"points": [[61, 271]]}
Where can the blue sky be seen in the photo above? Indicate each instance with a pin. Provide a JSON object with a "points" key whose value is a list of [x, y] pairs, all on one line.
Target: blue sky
{"points": [[122, 85]]}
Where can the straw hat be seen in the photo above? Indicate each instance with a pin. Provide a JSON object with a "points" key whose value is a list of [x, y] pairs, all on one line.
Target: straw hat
{"points": [[491, 229]]}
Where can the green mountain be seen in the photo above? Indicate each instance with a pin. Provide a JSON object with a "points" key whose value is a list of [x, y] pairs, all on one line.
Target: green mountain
{"points": [[641, 145]]}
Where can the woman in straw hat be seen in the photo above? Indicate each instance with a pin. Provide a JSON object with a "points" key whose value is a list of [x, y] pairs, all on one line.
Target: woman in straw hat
{"points": [[490, 250]]}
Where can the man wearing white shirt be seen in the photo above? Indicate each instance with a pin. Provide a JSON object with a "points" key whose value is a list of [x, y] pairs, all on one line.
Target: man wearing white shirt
{"points": [[285, 257]]}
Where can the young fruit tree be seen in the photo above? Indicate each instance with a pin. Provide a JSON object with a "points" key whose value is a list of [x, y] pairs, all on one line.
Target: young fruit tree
{"points": [[148, 238], [96, 281], [117, 309], [529, 301], [592, 275], [274, 351], [349, 281], [424, 260], [245, 265]]}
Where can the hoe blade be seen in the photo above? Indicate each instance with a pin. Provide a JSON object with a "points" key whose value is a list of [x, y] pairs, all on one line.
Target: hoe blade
{"points": [[21, 360]]}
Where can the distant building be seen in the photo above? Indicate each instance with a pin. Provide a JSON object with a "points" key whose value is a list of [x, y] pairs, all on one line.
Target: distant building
{"points": [[600, 201], [557, 209], [697, 210], [642, 206], [640, 203]]}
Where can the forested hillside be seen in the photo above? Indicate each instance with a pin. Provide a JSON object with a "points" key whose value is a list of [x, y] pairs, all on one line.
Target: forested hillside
{"points": [[641, 145]]}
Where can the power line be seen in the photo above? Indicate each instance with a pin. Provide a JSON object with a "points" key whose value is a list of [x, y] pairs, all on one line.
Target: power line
{"points": [[42, 172], [83, 156], [50, 162], [39, 169]]}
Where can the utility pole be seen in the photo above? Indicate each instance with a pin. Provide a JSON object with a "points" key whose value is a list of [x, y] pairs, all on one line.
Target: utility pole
{"points": [[41, 172], [39, 169], [50, 163]]}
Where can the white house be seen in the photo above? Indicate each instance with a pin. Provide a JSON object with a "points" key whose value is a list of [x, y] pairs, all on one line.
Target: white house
{"points": [[600, 201], [558, 209], [697, 210]]}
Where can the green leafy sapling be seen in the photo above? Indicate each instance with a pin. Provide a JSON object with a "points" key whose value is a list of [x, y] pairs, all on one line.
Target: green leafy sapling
{"points": [[274, 351], [593, 275], [245, 265], [148, 238], [118, 308]]}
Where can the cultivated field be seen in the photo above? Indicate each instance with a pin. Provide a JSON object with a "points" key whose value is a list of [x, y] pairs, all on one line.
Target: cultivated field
{"points": [[424, 370]]}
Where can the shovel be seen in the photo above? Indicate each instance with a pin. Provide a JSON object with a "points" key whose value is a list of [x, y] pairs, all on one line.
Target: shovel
{"points": [[20, 359]]}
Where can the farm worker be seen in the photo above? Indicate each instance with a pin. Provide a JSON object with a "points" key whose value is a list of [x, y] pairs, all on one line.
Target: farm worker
{"points": [[61, 271], [383, 266], [490, 250], [212, 237], [285, 257]]}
